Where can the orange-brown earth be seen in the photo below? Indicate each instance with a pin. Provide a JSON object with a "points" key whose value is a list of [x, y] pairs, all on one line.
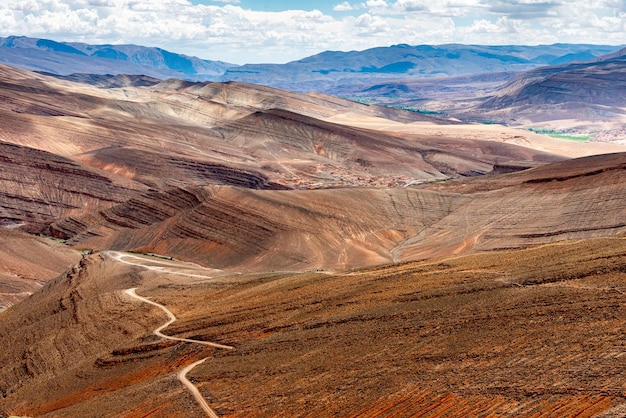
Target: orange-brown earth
{"points": [[534, 332], [27, 262], [289, 194]]}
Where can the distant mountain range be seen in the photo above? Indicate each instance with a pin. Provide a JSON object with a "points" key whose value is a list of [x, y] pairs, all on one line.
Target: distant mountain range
{"points": [[576, 96], [321, 72], [64, 58], [582, 91], [330, 69]]}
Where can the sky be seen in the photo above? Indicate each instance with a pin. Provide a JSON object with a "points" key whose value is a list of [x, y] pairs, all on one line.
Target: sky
{"points": [[279, 31]]}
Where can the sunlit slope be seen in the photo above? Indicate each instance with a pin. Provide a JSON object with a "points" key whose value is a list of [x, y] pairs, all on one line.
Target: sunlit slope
{"points": [[27, 262], [273, 133], [575, 199], [239, 228], [264, 230]]}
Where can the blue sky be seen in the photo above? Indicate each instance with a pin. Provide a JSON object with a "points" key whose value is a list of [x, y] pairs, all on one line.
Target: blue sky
{"points": [[325, 6], [254, 31]]}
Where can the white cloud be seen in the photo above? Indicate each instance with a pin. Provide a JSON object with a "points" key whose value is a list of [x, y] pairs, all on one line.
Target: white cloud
{"points": [[368, 24], [412, 5], [376, 3], [231, 33], [343, 7]]}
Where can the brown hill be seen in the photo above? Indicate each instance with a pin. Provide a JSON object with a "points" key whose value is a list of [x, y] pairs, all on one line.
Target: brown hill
{"points": [[27, 262], [512, 333], [235, 125], [74, 149], [263, 184], [237, 228], [39, 186], [593, 91]]}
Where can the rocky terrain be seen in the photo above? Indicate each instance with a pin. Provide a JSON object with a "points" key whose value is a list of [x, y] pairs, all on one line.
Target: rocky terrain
{"points": [[361, 260], [511, 333]]}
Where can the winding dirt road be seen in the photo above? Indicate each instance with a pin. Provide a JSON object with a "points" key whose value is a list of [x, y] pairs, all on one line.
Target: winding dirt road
{"points": [[166, 268], [182, 374], [172, 318]]}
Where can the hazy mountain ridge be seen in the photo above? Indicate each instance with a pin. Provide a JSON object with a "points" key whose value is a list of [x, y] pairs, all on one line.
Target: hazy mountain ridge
{"points": [[322, 72], [328, 69], [65, 58], [587, 92]]}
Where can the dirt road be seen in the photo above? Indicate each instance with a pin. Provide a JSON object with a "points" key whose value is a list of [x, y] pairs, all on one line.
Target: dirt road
{"points": [[165, 267], [182, 374], [172, 318]]}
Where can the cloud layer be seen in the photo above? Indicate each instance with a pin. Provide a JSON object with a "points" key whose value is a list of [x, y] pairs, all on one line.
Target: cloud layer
{"points": [[227, 31]]}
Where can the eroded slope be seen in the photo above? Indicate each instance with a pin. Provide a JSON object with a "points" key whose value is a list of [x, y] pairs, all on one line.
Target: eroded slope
{"points": [[242, 127], [241, 229], [225, 227], [27, 262], [38, 186], [453, 336]]}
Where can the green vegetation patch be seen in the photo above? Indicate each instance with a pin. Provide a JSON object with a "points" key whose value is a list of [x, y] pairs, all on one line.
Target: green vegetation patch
{"points": [[569, 136], [371, 101], [415, 110]]}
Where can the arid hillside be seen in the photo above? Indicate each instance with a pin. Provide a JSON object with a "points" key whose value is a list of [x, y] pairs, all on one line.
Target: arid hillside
{"points": [[28, 262], [244, 229], [518, 333], [156, 135], [38, 186], [243, 251], [221, 173], [591, 92]]}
